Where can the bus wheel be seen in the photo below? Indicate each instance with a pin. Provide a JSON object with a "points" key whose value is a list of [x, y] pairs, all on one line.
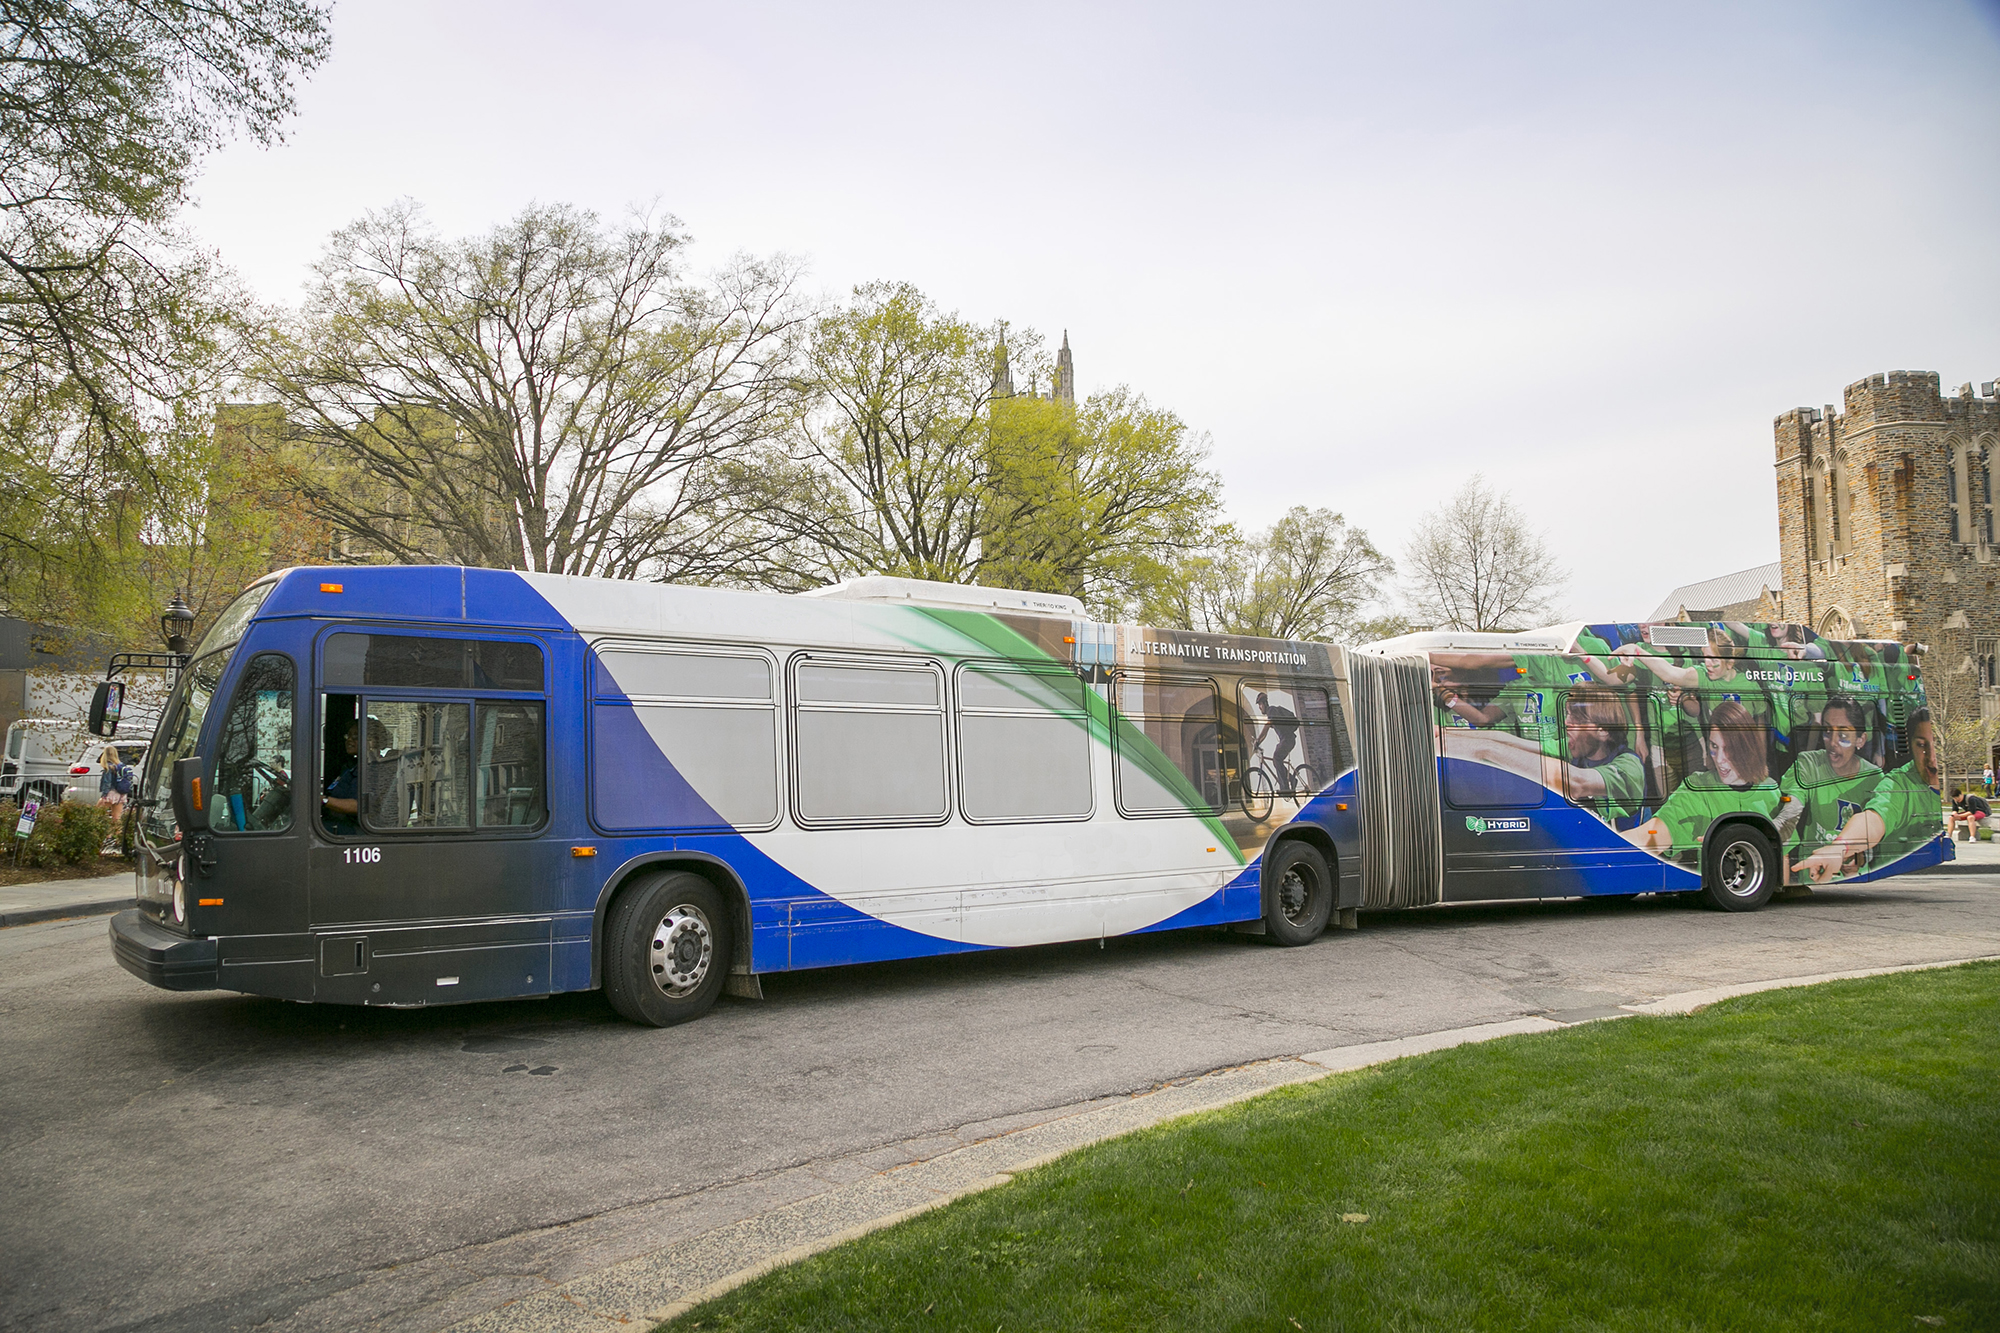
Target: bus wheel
{"points": [[1301, 894], [1742, 870], [667, 950]]}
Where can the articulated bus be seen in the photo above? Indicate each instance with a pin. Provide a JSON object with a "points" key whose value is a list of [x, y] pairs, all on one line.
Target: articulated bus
{"points": [[420, 785]]}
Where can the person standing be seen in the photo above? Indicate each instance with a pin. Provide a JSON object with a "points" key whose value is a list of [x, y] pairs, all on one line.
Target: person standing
{"points": [[114, 783]]}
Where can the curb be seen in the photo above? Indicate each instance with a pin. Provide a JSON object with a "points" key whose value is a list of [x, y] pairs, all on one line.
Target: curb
{"points": [[34, 914], [1952, 868], [673, 1280]]}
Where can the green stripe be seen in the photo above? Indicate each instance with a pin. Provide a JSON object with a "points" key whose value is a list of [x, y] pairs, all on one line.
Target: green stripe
{"points": [[986, 633]]}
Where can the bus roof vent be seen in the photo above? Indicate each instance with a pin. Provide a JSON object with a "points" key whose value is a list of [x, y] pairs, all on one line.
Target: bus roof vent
{"points": [[1677, 636], [959, 596]]}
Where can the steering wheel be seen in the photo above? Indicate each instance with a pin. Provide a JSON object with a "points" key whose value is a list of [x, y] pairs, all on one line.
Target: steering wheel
{"points": [[276, 777]]}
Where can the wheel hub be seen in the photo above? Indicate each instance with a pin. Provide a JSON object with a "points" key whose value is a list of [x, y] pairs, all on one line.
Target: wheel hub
{"points": [[1742, 871], [1293, 894], [683, 951]]}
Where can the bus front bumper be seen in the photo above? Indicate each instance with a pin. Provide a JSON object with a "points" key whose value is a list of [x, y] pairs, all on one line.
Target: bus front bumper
{"points": [[161, 958]]}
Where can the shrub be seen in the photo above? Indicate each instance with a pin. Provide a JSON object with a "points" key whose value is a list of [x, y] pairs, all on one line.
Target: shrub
{"points": [[66, 835]]}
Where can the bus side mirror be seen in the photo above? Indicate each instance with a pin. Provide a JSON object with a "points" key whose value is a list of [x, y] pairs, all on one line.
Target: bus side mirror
{"points": [[105, 706], [190, 802]]}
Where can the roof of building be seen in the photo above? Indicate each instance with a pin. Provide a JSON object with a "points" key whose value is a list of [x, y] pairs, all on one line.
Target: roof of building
{"points": [[1745, 585]]}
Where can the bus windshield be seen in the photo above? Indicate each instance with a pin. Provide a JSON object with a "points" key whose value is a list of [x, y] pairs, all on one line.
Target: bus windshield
{"points": [[235, 618], [180, 727]]}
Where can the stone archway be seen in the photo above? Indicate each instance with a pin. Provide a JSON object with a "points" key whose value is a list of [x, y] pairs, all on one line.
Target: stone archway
{"points": [[1836, 624]]}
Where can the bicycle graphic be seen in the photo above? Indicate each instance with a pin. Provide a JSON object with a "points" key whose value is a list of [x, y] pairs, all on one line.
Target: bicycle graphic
{"points": [[1267, 779]]}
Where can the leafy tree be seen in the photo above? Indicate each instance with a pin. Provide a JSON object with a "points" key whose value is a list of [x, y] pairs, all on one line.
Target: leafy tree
{"points": [[1475, 564], [116, 333], [885, 469], [1306, 577], [1099, 501], [908, 459], [554, 395]]}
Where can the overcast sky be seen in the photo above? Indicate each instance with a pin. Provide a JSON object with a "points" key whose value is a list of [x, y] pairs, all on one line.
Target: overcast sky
{"points": [[1591, 250]]}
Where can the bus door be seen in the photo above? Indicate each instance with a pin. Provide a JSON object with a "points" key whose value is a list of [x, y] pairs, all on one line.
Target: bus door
{"points": [[256, 844], [1612, 777], [1502, 829], [429, 881]]}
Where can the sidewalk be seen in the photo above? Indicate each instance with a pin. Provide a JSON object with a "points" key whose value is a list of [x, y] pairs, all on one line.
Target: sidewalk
{"points": [[23, 903]]}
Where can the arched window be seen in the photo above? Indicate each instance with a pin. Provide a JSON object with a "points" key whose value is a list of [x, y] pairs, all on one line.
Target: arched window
{"points": [[1836, 544], [1984, 496], [1954, 465]]}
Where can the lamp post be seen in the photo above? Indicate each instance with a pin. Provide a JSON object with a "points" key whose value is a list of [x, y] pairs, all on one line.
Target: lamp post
{"points": [[174, 627]]}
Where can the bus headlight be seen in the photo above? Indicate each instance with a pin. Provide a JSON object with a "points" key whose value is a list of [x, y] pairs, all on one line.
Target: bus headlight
{"points": [[180, 900]]}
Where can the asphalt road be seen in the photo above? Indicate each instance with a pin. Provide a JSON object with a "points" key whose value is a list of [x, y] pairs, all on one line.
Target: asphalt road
{"points": [[212, 1161]]}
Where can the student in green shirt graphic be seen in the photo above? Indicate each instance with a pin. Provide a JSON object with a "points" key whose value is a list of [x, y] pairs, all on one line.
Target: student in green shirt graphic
{"points": [[1806, 677], [1738, 781], [1592, 764], [1455, 708], [1827, 787], [1904, 813], [1719, 676]]}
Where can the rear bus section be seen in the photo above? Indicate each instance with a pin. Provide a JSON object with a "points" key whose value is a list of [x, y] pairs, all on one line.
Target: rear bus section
{"points": [[1729, 761]]}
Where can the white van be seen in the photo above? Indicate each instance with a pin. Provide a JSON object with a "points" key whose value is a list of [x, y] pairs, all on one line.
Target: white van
{"points": [[39, 756]]}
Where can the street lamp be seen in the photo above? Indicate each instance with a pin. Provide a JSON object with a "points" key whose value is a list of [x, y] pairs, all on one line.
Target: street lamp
{"points": [[175, 624]]}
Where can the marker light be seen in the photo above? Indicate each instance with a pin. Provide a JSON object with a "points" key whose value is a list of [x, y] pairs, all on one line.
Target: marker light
{"points": [[583, 851], [332, 587], [208, 902], [81, 768], [1340, 805]]}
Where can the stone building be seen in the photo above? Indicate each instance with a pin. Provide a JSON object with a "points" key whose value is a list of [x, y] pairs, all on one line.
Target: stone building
{"points": [[1885, 516], [1062, 391]]}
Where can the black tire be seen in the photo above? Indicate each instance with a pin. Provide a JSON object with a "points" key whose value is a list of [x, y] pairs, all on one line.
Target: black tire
{"points": [[1740, 869], [1302, 888], [1257, 799], [668, 944]]}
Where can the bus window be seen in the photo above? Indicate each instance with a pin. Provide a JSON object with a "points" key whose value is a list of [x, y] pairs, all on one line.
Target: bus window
{"points": [[1732, 741], [1605, 744], [712, 715], [1167, 738], [408, 662], [1288, 730], [415, 765], [868, 743], [1023, 744], [510, 765], [253, 767]]}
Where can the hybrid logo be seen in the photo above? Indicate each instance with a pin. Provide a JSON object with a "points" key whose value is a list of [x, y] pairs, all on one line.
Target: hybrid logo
{"points": [[1474, 824]]}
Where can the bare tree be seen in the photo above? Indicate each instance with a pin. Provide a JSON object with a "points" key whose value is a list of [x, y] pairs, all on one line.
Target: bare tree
{"points": [[1951, 692], [1475, 564], [554, 395]]}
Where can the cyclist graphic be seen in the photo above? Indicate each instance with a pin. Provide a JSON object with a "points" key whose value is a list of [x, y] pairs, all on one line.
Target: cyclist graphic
{"points": [[1278, 721]]}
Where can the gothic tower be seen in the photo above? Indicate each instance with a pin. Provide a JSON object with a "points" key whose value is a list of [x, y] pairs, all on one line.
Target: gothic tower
{"points": [[1003, 374], [1065, 375]]}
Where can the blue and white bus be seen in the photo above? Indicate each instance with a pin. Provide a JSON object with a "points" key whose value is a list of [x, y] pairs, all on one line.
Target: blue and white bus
{"points": [[421, 785]]}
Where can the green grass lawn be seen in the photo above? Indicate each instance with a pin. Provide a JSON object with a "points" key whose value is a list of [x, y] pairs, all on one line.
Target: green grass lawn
{"points": [[1822, 1158]]}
